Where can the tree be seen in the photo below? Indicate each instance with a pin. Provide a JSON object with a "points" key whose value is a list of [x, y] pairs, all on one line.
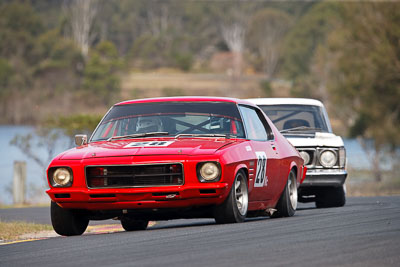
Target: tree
{"points": [[234, 36], [233, 26], [59, 65], [6, 73], [74, 124], [48, 138], [165, 41], [20, 26], [267, 29], [81, 16], [365, 79], [121, 22], [303, 39], [100, 75], [315, 84], [43, 138], [161, 18]]}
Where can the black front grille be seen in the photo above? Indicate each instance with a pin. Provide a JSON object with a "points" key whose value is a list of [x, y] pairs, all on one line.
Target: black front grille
{"points": [[134, 175]]}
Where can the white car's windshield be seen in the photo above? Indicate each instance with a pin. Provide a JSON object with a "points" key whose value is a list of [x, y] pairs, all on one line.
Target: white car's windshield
{"points": [[297, 117], [170, 119]]}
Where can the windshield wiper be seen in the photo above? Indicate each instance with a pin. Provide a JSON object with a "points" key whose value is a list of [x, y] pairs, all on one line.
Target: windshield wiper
{"points": [[137, 135], [300, 129], [204, 135]]}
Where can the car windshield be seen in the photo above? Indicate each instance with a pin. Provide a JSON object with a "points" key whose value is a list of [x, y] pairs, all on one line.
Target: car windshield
{"points": [[179, 119], [297, 118]]}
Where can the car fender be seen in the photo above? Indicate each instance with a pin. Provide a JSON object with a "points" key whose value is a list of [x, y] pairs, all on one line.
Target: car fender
{"points": [[239, 167], [299, 172]]}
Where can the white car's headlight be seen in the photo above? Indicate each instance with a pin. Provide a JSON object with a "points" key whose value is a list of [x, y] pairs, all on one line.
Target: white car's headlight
{"points": [[305, 156], [209, 171], [328, 158], [342, 157], [62, 177]]}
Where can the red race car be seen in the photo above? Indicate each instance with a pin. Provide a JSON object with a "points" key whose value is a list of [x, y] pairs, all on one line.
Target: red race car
{"points": [[169, 158]]}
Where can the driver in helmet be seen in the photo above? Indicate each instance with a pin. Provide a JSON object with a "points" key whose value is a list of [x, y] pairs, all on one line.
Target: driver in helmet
{"points": [[148, 124]]}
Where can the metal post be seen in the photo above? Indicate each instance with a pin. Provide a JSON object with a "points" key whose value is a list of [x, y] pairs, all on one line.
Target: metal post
{"points": [[19, 182]]}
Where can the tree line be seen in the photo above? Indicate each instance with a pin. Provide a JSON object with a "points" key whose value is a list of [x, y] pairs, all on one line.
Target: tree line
{"points": [[69, 56]]}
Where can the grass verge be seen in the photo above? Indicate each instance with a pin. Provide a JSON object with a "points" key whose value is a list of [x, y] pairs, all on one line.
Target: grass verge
{"points": [[363, 183], [370, 189], [12, 230], [18, 206]]}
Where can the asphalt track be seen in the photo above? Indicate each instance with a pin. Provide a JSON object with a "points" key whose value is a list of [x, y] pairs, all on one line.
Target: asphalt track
{"points": [[36, 215], [365, 232]]}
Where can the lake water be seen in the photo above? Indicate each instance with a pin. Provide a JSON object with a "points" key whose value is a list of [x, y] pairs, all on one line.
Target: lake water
{"points": [[36, 184], [36, 178]]}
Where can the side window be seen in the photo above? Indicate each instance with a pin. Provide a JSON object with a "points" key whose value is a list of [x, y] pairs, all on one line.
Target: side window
{"points": [[257, 127], [261, 115]]}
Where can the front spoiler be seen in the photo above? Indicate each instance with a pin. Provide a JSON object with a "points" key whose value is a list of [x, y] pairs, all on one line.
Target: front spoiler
{"points": [[139, 198], [322, 178]]}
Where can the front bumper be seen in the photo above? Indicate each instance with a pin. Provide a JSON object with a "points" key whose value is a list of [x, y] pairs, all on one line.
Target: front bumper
{"points": [[140, 198], [322, 178]]}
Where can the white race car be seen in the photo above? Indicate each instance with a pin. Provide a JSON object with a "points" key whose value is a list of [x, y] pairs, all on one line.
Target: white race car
{"points": [[305, 123]]}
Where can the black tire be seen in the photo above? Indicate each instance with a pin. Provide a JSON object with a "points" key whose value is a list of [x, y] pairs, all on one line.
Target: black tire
{"points": [[234, 208], [67, 222], [331, 197], [287, 203], [130, 224]]}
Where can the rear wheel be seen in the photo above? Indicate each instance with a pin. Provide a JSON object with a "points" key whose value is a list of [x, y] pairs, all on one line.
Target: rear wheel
{"points": [[287, 203], [234, 208], [130, 224], [67, 222], [331, 197]]}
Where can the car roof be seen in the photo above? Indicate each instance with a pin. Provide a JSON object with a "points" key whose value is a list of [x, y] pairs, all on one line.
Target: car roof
{"points": [[285, 101], [186, 99]]}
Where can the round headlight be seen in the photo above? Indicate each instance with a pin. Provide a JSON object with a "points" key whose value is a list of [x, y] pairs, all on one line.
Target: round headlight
{"points": [[209, 171], [62, 177], [305, 156], [328, 158]]}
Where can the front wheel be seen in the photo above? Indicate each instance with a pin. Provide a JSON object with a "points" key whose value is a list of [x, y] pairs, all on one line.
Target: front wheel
{"points": [[331, 197], [234, 208], [287, 203], [130, 224], [67, 222]]}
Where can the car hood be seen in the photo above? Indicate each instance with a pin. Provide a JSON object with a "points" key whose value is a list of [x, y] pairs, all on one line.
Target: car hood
{"points": [[144, 147], [319, 139]]}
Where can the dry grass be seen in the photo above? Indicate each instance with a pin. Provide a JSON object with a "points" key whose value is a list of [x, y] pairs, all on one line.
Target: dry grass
{"points": [[156, 84], [13, 230], [372, 189], [21, 206], [362, 183]]}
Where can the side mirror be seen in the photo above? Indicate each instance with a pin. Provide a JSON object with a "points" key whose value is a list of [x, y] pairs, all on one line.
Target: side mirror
{"points": [[80, 139]]}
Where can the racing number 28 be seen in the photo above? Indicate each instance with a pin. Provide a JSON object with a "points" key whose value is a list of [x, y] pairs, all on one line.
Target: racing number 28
{"points": [[261, 169]]}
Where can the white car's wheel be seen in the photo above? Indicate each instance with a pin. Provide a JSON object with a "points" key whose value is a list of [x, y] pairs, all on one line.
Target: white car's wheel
{"points": [[331, 197]]}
